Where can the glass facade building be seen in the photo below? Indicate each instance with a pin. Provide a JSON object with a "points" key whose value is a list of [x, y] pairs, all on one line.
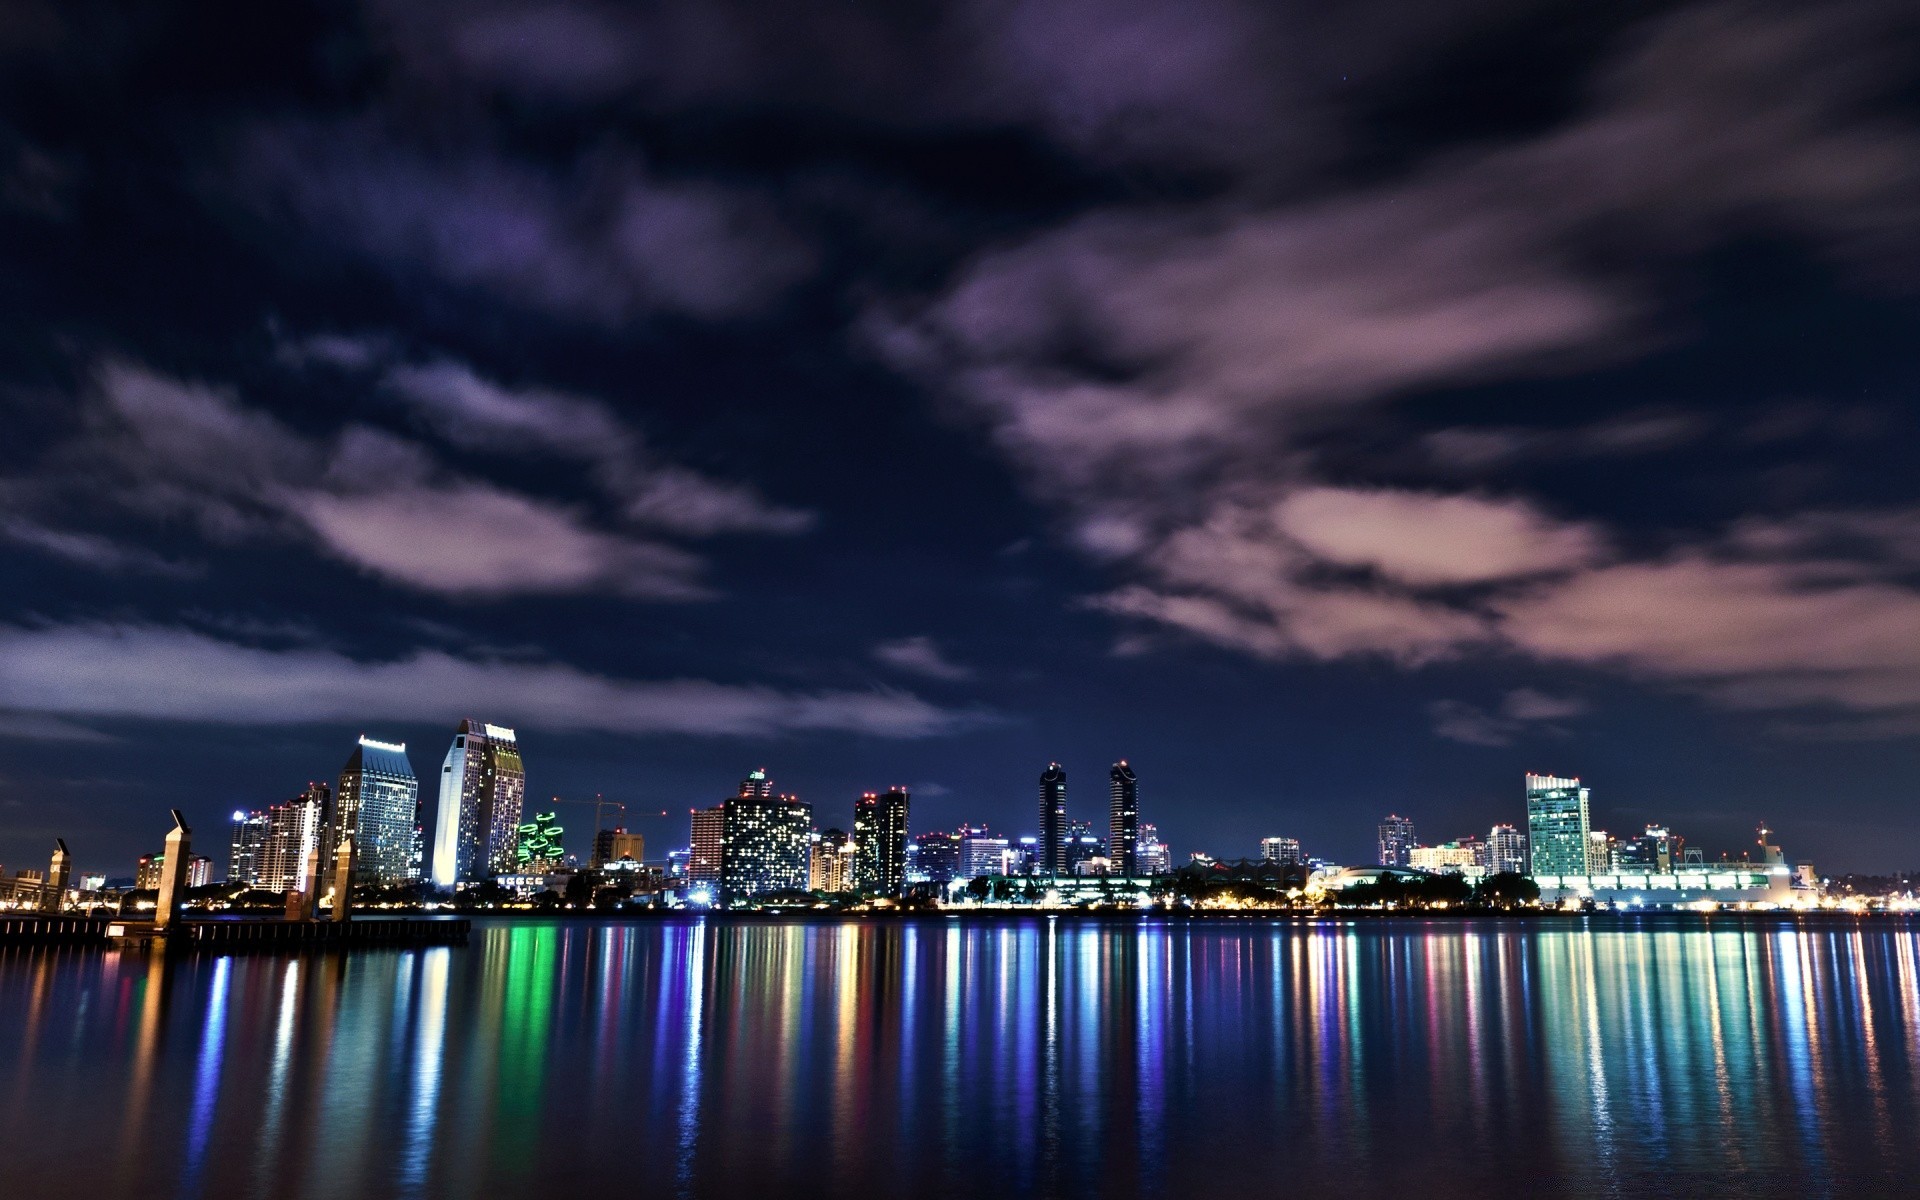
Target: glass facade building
{"points": [[379, 804], [765, 846], [293, 829], [1051, 849], [1123, 820], [246, 855], [939, 857], [483, 785], [1506, 850], [1397, 842], [1558, 826]]}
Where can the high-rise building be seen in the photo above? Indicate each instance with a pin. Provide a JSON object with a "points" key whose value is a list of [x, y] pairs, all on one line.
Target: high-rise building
{"points": [[199, 870], [1123, 819], [248, 847], [981, 853], [483, 785], [379, 804], [615, 845], [1282, 850], [830, 867], [1448, 858], [1506, 850], [703, 865], [1657, 850], [764, 846], [293, 829], [756, 784], [1155, 859], [939, 857], [146, 871], [880, 834], [1558, 827], [1051, 849], [1082, 845], [1396, 841]]}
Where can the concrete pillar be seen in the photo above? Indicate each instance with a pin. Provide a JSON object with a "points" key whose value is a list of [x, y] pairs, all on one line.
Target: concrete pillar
{"points": [[343, 879], [173, 874], [54, 897], [308, 905]]}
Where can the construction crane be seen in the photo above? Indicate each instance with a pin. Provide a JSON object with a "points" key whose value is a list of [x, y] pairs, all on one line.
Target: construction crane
{"points": [[600, 805]]}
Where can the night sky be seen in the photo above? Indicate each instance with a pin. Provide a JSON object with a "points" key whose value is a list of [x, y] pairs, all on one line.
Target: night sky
{"points": [[1330, 408]]}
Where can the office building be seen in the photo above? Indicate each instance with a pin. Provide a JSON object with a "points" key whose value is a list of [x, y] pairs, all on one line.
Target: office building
{"points": [[764, 846], [483, 784], [1123, 820], [146, 871], [1558, 828], [1155, 859], [939, 857], [293, 830], [379, 804], [756, 784], [880, 836], [703, 860], [1284, 851], [1448, 858], [247, 847], [617, 845], [830, 867], [1397, 841], [199, 871], [1050, 850], [981, 853], [1658, 850], [1506, 851], [1082, 844]]}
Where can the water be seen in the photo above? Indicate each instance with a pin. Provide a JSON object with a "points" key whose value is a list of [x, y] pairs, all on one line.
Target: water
{"points": [[948, 1058]]}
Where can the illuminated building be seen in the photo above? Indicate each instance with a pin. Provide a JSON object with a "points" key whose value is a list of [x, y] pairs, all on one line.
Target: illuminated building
{"points": [[247, 856], [677, 861], [1050, 854], [830, 865], [616, 844], [1123, 820], [537, 845], [764, 846], [1448, 858], [1506, 850], [1557, 826], [757, 784], [146, 871], [1155, 859], [293, 829], [1283, 850], [199, 871], [703, 860], [880, 838], [379, 804], [981, 853], [939, 857], [482, 786], [1658, 849], [1397, 842]]}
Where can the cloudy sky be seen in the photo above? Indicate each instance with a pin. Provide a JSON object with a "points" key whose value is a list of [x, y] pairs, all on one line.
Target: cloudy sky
{"points": [[1333, 409]]}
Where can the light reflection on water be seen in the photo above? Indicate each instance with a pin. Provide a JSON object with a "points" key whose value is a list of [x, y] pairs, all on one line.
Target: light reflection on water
{"points": [[937, 1058]]}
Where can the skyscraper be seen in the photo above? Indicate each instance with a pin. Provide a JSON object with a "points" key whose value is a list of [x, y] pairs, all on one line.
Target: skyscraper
{"points": [[292, 829], [981, 853], [379, 804], [764, 846], [830, 868], [703, 864], [1396, 841], [1282, 850], [756, 784], [1558, 829], [1123, 820], [1506, 850], [246, 857], [1051, 850], [482, 786], [880, 841], [1155, 859]]}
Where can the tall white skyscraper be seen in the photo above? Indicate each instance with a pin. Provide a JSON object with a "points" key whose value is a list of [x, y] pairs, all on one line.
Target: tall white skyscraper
{"points": [[482, 788]]}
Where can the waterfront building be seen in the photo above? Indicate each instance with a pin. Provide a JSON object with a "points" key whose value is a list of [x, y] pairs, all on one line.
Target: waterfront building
{"points": [[981, 853], [247, 847], [1557, 826], [146, 871], [880, 834], [1123, 819], [199, 871], [1283, 850], [939, 857], [617, 845], [1448, 858], [703, 860], [379, 804], [1397, 841], [1051, 848], [1506, 850], [294, 829], [764, 843], [1658, 849], [830, 866], [1155, 859], [483, 784]]}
